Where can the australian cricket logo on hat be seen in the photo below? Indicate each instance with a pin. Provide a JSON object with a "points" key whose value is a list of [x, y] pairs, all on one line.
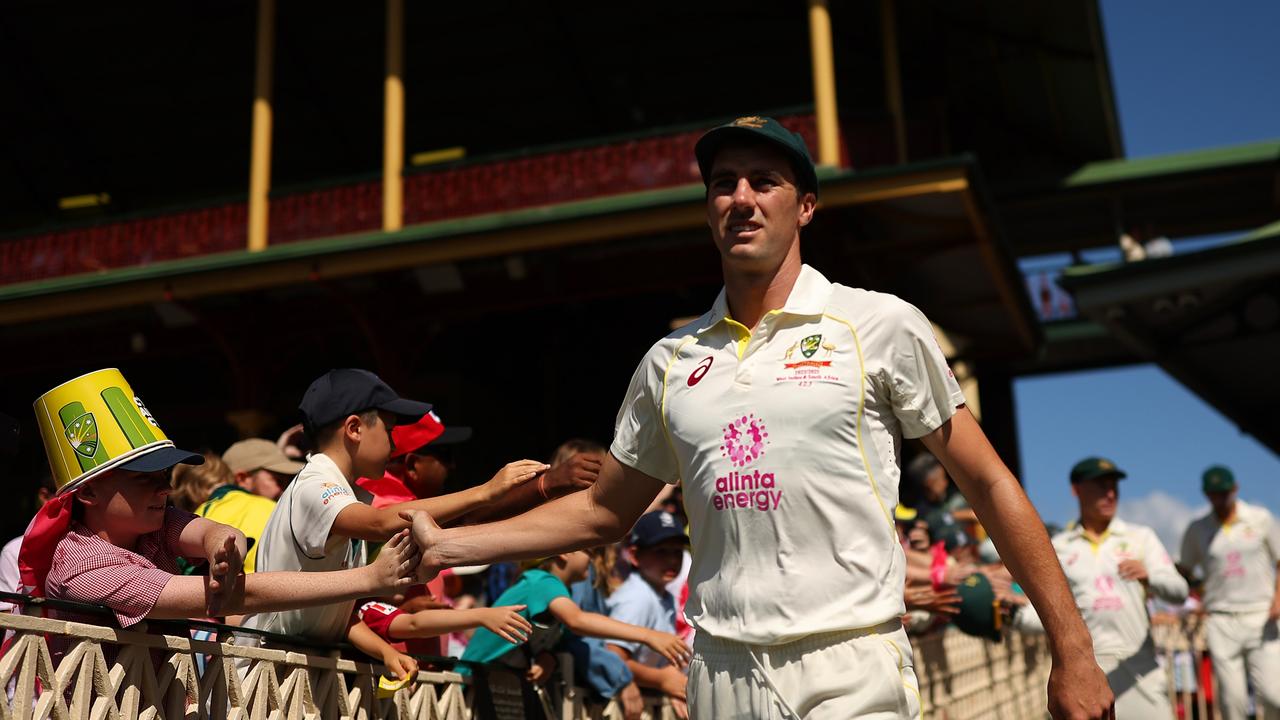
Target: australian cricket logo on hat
{"points": [[89, 425], [94, 423]]}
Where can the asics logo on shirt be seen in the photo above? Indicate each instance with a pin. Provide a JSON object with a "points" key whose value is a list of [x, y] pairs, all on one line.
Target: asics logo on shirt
{"points": [[695, 377]]}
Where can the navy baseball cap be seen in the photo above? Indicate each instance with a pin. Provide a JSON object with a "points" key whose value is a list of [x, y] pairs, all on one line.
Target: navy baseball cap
{"points": [[162, 458], [348, 391], [652, 528]]}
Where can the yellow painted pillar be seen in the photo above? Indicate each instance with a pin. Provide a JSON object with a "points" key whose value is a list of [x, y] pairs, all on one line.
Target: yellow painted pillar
{"points": [[893, 77], [824, 83], [393, 121], [260, 150]]}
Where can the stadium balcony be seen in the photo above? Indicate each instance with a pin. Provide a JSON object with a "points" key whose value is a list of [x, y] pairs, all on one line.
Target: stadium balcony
{"points": [[535, 178]]}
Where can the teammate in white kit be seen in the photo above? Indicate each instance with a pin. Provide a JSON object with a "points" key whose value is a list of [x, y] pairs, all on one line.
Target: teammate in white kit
{"points": [[1237, 548], [782, 411], [1112, 565]]}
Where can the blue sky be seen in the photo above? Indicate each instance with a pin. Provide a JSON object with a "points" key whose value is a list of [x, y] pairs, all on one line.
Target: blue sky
{"points": [[1187, 75]]}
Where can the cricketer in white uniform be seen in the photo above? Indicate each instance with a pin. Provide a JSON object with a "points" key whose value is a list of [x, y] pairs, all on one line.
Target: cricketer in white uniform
{"points": [[1112, 566], [782, 411], [1237, 549]]}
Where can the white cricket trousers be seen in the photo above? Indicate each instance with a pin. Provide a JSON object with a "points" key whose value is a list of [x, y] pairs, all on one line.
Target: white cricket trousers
{"points": [[1245, 645], [1139, 683], [865, 673]]}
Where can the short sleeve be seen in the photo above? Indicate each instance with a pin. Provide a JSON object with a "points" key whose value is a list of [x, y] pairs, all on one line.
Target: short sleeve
{"points": [[314, 506], [640, 438], [378, 616], [923, 389], [1163, 578], [628, 609], [544, 588], [175, 521], [129, 589]]}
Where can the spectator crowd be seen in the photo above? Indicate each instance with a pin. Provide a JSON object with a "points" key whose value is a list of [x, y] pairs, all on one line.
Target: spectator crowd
{"points": [[307, 536]]}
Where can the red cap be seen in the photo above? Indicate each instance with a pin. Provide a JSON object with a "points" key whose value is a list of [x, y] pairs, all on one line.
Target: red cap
{"points": [[411, 438]]}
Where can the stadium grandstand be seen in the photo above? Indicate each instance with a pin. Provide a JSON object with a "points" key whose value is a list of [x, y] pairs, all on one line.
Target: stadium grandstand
{"points": [[495, 207]]}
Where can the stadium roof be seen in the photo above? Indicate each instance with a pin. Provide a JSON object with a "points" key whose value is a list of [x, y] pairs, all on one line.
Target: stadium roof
{"points": [[152, 106], [1211, 319]]}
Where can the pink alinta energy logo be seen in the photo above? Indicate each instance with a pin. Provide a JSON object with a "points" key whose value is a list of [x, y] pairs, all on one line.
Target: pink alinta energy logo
{"points": [[744, 440]]}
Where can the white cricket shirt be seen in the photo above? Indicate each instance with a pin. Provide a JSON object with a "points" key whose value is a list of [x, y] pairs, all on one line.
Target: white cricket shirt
{"points": [[787, 440], [1115, 609], [1237, 560]]}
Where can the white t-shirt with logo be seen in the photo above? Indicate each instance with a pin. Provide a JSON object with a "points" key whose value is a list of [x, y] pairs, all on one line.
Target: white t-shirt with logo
{"points": [[1114, 609], [787, 440], [297, 539], [1237, 560]]}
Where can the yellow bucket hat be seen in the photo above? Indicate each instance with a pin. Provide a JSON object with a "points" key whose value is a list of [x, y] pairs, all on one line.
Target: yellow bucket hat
{"points": [[95, 423]]}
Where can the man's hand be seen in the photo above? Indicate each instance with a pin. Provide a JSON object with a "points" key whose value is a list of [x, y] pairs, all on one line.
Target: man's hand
{"points": [[424, 531], [631, 701], [577, 473], [225, 548], [1274, 614], [1078, 690], [1133, 569], [511, 475], [400, 665], [924, 597]]}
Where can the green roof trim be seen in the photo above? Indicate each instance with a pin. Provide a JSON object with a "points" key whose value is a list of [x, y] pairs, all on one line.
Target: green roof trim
{"points": [[1134, 169], [475, 224], [1260, 240]]}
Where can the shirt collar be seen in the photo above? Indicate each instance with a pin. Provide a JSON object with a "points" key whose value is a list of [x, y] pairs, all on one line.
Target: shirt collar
{"points": [[809, 296], [1116, 527]]}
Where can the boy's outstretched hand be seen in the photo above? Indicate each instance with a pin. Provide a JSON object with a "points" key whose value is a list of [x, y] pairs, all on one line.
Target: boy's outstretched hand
{"points": [[670, 647], [511, 475], [397, 565], [225, 548], [506, 622]]}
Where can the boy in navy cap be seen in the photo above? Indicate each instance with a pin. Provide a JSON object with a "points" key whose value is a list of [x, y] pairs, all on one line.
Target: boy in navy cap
{"points": [[318, 523], [656, 550]]}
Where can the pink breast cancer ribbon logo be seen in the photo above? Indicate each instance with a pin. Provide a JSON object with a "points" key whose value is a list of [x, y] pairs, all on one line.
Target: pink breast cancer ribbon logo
{"points": [[744, 440]]}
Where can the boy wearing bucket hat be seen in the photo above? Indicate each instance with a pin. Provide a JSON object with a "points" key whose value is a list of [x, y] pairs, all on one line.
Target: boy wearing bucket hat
{"points": [[782, 411], [1236, 547], [109, 536], [1113, 566]]}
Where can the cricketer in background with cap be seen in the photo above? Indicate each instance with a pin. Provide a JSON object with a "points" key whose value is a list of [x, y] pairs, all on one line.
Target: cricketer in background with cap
{"points": [[318, 524], [1113, 566], [783, 410], [1235, 549], [109, 535]]}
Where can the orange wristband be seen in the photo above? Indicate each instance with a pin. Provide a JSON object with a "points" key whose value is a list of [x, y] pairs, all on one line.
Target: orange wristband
{"points": [[542, 487]]}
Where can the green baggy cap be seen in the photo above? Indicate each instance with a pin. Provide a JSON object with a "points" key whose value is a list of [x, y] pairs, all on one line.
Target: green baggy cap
{"points": [[759, 128], [1092, 468], [1218, 479]]}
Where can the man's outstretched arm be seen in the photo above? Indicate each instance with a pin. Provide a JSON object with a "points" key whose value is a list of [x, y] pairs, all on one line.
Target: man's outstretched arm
{"points": [[600, 514], [1077, 687]]}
